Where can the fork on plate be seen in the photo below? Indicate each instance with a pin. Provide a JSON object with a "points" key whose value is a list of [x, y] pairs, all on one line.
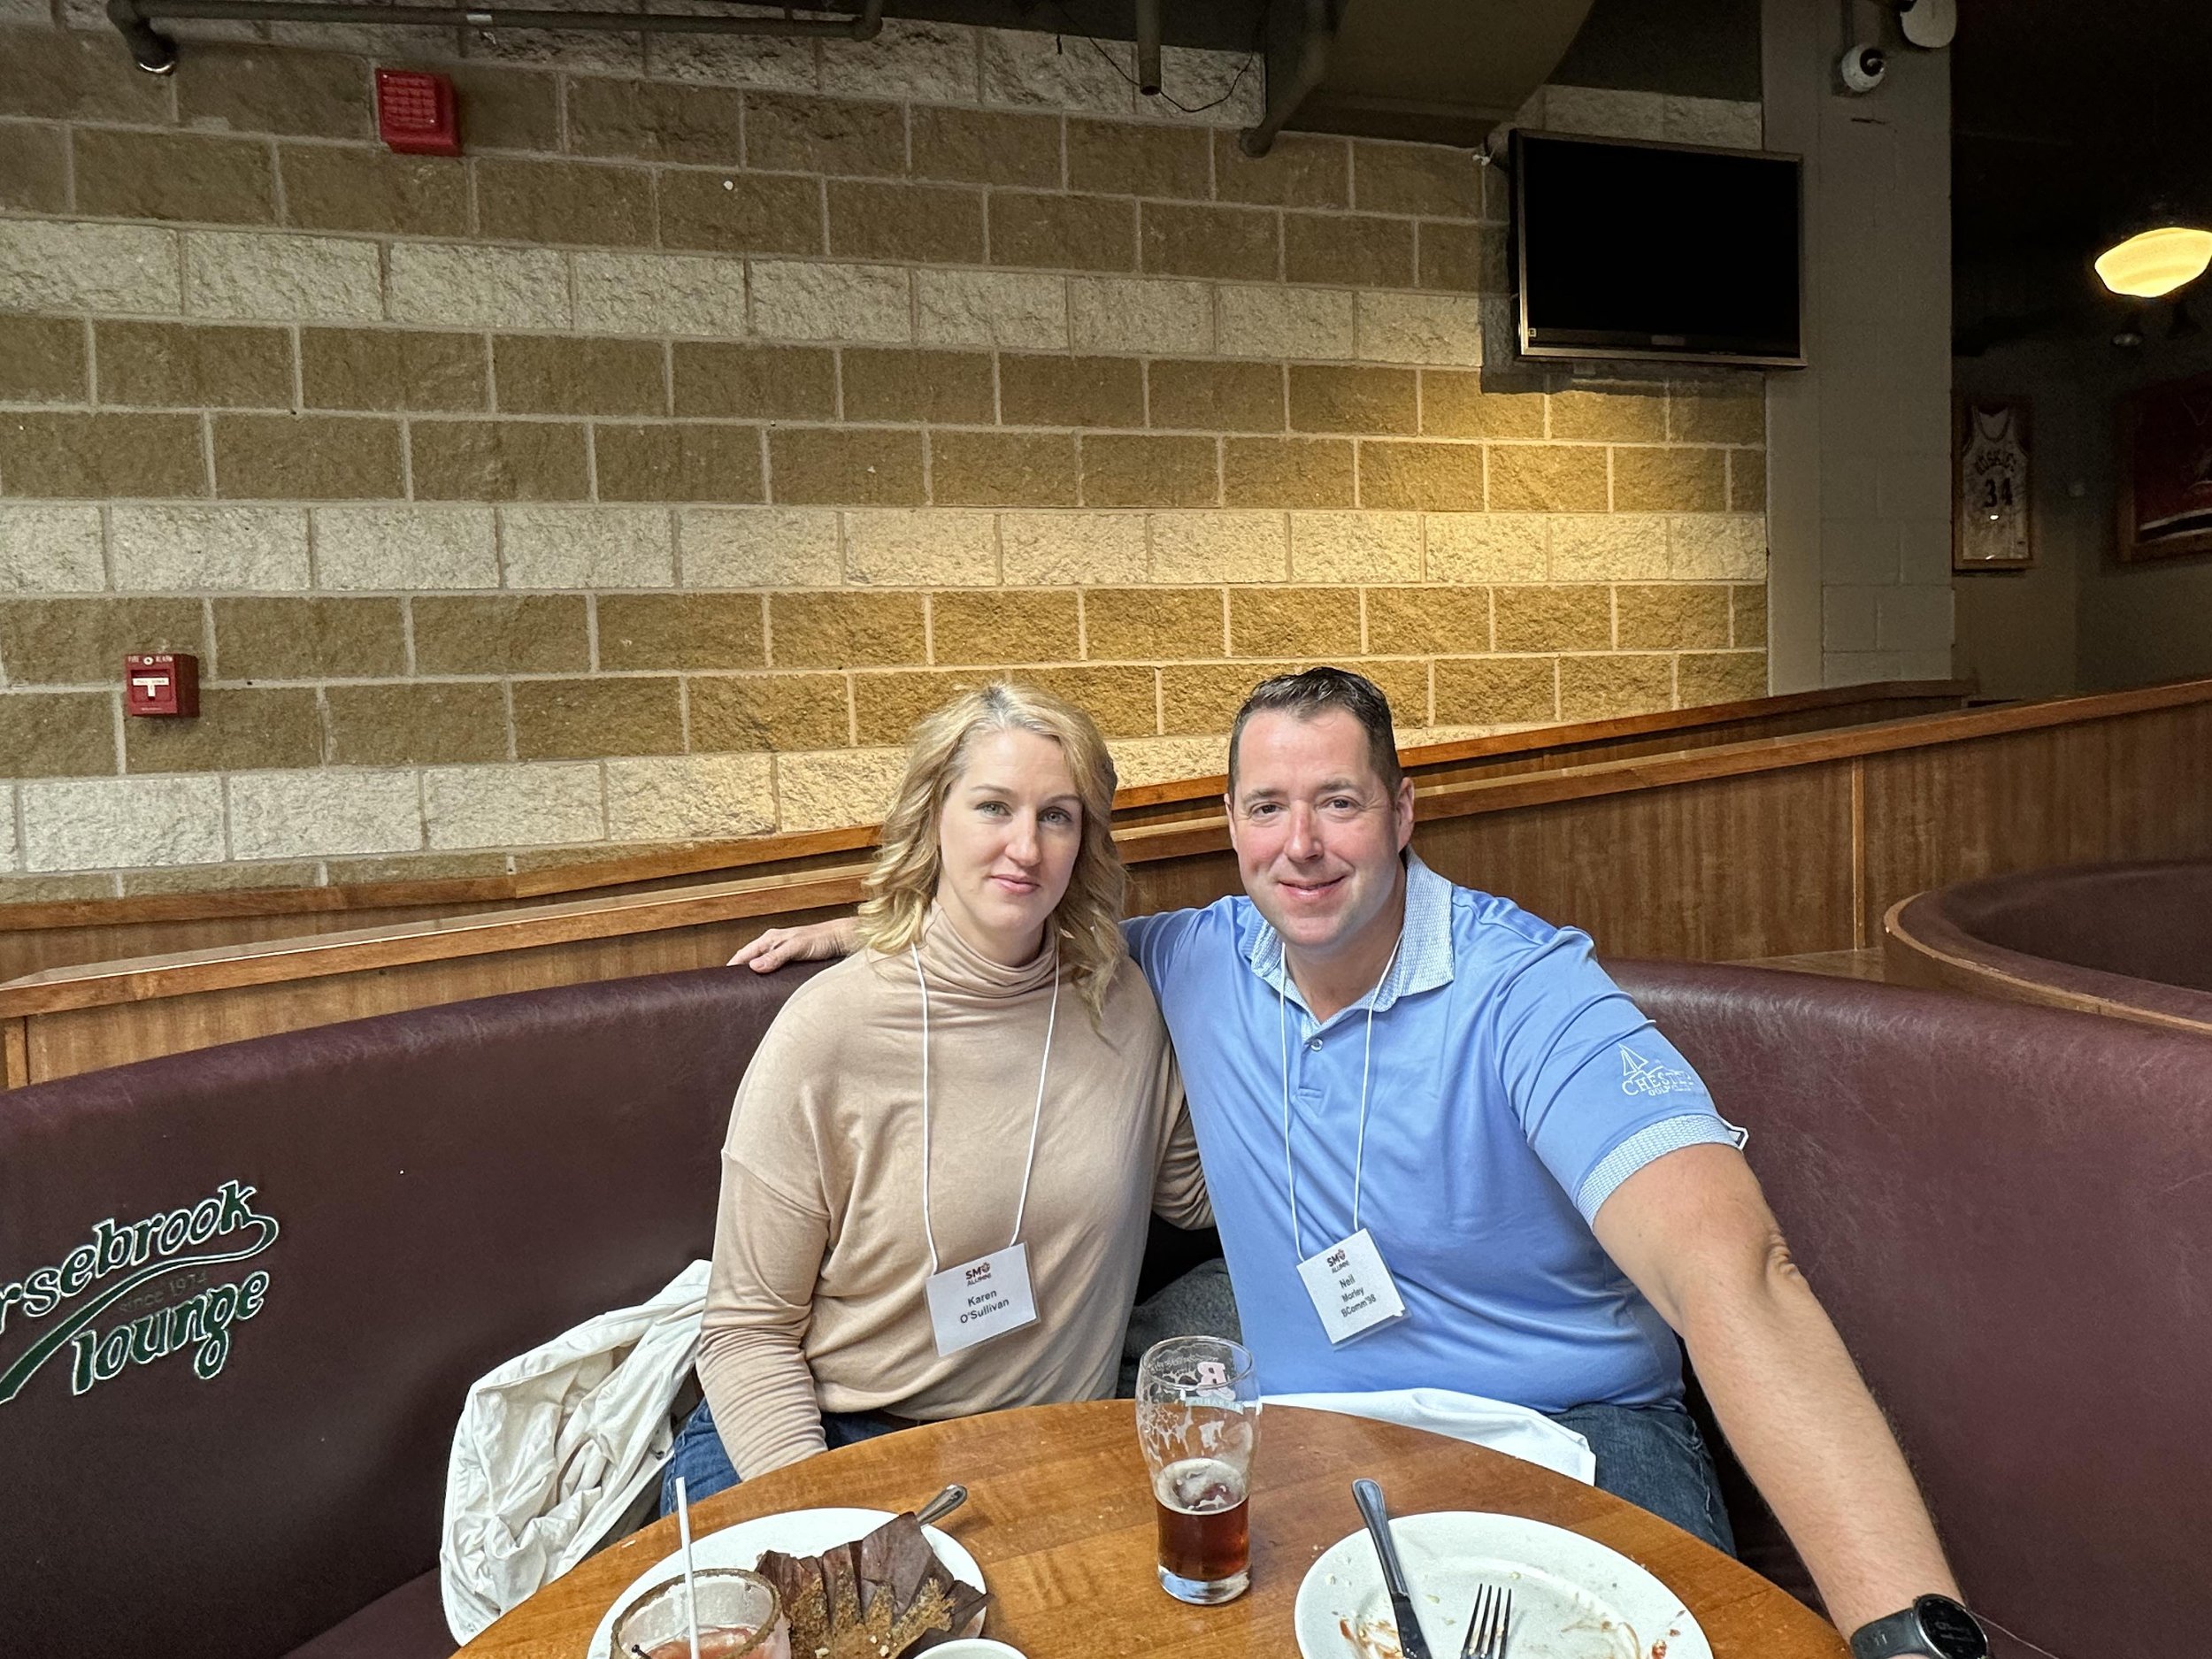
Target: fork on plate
{"points": [[1489, 1625]]}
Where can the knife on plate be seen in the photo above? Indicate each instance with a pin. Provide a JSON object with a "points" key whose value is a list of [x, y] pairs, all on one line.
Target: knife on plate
{"points": [[1368, 1496]]}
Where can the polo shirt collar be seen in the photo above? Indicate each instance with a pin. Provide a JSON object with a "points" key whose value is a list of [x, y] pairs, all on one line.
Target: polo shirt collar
{"points": [[1424, 955]]}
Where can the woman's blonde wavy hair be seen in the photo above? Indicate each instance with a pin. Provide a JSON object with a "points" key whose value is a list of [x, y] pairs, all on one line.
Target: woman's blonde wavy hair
{"points": [[903, 881]]}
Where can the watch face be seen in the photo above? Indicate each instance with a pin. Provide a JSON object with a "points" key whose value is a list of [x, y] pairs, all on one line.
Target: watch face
{"points": [[1951, 1628]]}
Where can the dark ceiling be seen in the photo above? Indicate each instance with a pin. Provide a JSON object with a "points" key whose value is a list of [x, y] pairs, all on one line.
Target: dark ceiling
{"points": [[2067, 117]]}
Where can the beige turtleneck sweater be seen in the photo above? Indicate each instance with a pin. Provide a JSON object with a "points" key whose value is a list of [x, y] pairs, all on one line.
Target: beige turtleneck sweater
{"points": [[816, 1301]]}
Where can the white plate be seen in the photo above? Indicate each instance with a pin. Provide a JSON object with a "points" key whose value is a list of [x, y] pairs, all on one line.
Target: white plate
{"points": [[1572, 1597], [795, 1532]]}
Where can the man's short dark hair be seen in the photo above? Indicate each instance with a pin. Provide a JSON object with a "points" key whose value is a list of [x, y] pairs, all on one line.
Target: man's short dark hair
{"points": [[1309, 695]]}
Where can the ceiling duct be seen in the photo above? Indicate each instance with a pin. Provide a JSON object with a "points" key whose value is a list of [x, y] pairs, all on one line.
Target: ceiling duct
{"points": [[155, 53], [1439, 71]]}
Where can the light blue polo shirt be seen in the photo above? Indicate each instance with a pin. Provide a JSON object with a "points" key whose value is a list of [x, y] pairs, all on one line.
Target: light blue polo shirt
{"points": [[1514, 1087]]}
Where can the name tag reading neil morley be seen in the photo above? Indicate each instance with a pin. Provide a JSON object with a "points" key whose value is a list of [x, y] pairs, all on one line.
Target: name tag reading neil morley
{"points": [[980, 1300], [1351, 1289]]}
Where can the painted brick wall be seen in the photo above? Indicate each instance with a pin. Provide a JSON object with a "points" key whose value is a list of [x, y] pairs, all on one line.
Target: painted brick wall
{"points": [[641, 476]]}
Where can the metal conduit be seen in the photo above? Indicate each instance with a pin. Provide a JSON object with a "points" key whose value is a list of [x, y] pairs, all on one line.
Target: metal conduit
{"points": [[1309, 66], [157, 54], [1149, 48]]}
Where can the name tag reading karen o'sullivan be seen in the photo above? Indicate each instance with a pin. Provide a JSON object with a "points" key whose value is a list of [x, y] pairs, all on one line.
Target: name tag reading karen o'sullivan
{"points": [[1350, 1287], [980, 1300]]}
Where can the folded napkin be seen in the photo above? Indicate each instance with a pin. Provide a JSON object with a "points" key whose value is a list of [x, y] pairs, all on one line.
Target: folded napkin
{"points": [[1514, 1430]]}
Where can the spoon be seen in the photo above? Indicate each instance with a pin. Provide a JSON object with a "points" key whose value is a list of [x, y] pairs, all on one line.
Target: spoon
{"points": [[943, 1504]]}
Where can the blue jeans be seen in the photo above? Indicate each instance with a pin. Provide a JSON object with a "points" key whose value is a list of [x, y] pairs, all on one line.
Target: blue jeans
{"points": [[698, 1457], [1655, 1457]]}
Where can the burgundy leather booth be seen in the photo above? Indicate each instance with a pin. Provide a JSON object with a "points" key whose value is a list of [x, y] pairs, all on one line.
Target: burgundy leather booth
{"points": [[2007, 1210], [450, 1187]]}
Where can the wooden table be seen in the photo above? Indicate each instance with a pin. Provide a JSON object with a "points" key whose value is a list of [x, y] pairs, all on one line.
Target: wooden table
{"points": [[1059, 1513]]}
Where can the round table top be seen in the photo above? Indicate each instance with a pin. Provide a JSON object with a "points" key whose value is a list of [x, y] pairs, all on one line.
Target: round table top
{"points": [[1060, 1516]]}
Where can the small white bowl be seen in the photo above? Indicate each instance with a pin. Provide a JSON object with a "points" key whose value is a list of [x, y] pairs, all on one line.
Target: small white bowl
{"points": [[974, 1648]]}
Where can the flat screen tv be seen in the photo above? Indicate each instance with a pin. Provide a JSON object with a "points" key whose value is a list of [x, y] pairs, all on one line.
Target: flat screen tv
{"points": [[1655, 251]]}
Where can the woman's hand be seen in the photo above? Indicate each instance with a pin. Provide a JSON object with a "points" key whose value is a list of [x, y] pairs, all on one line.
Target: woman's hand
{"points": [[815, 942]]}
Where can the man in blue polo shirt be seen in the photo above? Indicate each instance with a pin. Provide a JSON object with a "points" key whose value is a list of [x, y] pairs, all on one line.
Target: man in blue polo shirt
{"points": [[1410, 1093], [1475, 1107], [1445, 1151]]}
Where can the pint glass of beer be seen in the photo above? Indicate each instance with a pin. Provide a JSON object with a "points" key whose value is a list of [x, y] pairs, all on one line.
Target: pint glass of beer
{"points": [[1198, 1410]]}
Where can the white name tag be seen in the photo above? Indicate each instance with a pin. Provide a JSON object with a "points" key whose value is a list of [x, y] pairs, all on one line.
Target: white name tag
{"points": [[1351, 1288], [980, 1300]]}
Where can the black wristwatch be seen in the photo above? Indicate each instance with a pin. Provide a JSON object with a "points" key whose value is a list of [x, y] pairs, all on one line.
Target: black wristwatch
{"points": [[1935, 1626]]}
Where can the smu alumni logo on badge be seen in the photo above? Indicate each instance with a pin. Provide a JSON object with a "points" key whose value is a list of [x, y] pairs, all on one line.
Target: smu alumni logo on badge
{"points": [[115, 1271]]}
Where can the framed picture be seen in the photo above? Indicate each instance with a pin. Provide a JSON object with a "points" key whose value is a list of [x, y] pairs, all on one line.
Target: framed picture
{"points": [[1992, 520], [2166, 469]]}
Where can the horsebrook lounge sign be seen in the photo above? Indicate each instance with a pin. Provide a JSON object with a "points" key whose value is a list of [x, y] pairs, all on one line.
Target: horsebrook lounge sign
{"points": [[115, 1269]]}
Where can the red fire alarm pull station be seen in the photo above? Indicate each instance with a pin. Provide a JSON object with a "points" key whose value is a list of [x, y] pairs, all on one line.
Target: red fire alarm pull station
{"points": [[415, 114], [161, 682]]}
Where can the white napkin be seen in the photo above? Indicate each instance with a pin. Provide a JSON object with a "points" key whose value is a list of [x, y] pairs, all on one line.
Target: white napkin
{"points": [[1514, 1430]]}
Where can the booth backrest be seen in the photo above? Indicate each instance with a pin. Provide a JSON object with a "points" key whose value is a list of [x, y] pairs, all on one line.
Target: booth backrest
{"points": [[2005, 1208], [442, 1189], [2008, 1212]]}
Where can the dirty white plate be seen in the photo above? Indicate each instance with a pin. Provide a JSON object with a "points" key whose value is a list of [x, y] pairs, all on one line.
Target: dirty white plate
{"points": [[795, 1532], [1572, 1597]]}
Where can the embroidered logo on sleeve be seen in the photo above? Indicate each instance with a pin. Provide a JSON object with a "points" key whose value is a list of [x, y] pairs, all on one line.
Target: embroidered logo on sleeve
{"points": [[1639, 1076]]}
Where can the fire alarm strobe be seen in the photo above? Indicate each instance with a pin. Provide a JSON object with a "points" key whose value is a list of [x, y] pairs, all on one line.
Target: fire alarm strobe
{"points": [[414, 112], [161, 682]]}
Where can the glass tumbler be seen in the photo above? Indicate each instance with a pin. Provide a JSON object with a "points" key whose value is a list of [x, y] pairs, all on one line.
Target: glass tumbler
{"points": [[740, 1617], [1198, 1410]]}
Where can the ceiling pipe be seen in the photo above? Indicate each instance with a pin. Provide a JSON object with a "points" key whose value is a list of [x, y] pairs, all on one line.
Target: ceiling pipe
{"points": [[1308, 60], [157, 54], [1149, 48]]}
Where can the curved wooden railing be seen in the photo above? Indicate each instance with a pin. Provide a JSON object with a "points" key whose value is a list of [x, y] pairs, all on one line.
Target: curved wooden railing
{"points": [[1932, 940], [1769, 847]]}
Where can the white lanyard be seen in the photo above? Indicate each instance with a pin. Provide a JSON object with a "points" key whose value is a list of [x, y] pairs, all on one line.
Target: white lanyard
{"points": [[1359, 1156], [1022, 1205]]}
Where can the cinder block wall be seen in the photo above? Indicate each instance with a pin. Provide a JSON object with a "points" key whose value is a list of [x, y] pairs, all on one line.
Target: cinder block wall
{"points": [[640, 477]]}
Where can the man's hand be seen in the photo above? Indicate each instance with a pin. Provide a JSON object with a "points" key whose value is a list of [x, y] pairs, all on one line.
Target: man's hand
{"points": [[814, 942]]}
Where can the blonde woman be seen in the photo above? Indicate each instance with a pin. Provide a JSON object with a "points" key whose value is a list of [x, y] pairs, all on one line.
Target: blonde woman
{"points": [[943, 1156]]}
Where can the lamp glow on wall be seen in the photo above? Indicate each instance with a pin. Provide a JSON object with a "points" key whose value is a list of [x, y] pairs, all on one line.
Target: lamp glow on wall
{"points": [[2156, 261]]}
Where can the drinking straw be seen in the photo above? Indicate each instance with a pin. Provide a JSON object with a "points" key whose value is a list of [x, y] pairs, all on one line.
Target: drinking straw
{"points": [[683, 1530]]}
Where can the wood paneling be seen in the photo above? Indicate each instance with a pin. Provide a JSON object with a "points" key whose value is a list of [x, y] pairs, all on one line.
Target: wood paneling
{"points": [[1756, 865], [27, 951], [83, 1038], [36, 937], [1776, 846], [377, 949], [2137, 785]]}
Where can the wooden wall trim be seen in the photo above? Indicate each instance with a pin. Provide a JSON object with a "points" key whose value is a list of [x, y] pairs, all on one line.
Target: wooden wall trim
{"points": [[1858, 855], [486, 933], [1728, 760], [737, 856], [15, 1053], [314, 955], [1591, 732]]}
